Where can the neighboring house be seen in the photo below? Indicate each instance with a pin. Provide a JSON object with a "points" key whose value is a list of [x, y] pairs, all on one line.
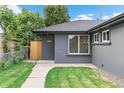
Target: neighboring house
{"points": [[86, 41], [1, 37]]}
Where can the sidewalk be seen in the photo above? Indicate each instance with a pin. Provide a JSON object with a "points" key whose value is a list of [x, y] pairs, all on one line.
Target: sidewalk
{"points": [[37, 77]]}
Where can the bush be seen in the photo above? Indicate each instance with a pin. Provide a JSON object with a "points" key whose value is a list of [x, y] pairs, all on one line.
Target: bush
{"points": [[5, 46], [2, 64], [18, 56], [11, 58]]}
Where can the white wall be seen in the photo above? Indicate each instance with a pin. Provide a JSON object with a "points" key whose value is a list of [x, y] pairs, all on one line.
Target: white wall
{"points": [[1, 39], [1, 29]]}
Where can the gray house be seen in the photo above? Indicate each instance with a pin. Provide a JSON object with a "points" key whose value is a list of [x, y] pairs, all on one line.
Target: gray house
{"points": [[86, 41]]}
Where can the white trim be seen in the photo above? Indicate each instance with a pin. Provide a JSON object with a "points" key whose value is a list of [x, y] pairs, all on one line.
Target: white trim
{"points": [[79, 45], [100, 37], [96, 35], [88, 44], [1, 30], [106, 41], [79, 54], [68, 44]]}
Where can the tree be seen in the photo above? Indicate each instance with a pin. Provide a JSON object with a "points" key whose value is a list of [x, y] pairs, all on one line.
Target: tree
{"points": [[55, 14], [6, 16], [19, 27], [27, 22], [7, 19]]}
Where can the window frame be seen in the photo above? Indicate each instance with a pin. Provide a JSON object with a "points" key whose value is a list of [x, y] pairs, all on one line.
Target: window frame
{"points": [[106, 39], [96, 38], [78, 53]]}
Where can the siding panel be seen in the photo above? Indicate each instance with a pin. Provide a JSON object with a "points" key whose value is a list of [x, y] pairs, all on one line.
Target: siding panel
{"points": [[61, 51], [111, 56]]}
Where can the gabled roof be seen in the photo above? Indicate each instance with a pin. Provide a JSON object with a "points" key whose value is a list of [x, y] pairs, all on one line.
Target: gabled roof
{"points": [[113, 21], [84, 25], [79, 25]]}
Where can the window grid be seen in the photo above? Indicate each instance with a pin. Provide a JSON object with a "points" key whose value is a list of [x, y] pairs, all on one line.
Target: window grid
{"points": [[106, 36], [79, 45], [103, 37], [96, 38]]}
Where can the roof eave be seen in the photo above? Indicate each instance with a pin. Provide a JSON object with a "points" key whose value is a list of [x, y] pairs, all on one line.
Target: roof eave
{"points": [[58, 32], [108, 23]]}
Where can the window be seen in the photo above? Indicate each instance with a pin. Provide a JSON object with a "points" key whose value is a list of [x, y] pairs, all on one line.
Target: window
{"points": [[78, 44], [96, 38], [73, 41], [83, 44], [106, 36]]}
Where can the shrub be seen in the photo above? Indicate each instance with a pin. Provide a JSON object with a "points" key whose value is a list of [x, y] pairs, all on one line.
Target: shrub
{"points": [[2, 64], [5, 46], [18, 56]]}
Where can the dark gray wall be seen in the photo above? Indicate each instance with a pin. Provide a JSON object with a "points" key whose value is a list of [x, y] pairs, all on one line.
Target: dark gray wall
{"points": [[111, 56], [47, 47], [61, 51]]}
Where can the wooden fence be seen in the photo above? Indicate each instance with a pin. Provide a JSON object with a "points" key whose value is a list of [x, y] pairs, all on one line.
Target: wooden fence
{"points": [[35, 50]]}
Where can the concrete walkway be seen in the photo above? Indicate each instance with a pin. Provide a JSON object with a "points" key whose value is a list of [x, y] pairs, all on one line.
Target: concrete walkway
{"points": [[37, 78]]}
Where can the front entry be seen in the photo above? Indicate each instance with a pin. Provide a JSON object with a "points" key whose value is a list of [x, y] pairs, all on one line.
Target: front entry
{"points": [[47, 47]]}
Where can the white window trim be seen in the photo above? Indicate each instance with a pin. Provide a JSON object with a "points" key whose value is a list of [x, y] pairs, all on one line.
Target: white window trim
{"points": [[95, 35], [105, 41], [79, 45]]}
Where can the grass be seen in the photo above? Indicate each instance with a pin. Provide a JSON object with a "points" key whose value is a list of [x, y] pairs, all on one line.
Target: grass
{"points": [[15, 74], [76, 77]]}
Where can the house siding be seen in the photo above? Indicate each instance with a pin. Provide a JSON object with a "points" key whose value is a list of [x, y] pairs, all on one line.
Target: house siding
{"points": [[47, 47], [111, 56], [61, 51]]}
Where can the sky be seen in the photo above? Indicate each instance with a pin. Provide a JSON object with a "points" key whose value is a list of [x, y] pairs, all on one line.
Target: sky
{"points": [[78, 12]]}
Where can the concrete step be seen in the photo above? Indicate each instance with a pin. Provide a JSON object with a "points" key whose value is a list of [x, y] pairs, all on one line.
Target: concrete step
{"points": [[41, 61], [46, 61]]}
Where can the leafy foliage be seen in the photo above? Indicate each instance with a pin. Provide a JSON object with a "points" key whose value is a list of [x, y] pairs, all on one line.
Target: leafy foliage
{"points": [[18, 56], [5, 46], [27, 22], [2, 64], [19, 27], [55, 14], [7, 19]]}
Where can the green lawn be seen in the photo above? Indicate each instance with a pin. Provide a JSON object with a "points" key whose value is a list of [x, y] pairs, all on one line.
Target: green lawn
{"points": [[76, 77], [15, 74]]}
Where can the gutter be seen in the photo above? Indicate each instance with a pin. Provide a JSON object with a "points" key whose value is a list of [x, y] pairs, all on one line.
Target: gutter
{"points": [[108, 23], [61, 32]]}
